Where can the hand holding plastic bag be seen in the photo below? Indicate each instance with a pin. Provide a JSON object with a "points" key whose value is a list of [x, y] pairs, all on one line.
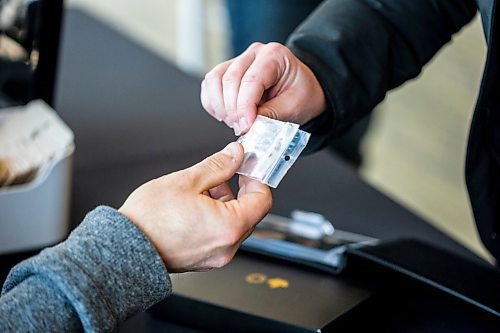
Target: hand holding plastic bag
{"points": [[271, 147]]}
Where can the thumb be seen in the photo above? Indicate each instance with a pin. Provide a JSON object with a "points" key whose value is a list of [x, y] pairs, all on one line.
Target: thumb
{"points": [[216, 169]]}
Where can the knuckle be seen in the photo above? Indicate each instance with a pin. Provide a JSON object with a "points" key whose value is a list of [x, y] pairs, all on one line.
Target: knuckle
{"points": [[215, 163], [271, 112], [274, 49], [233, 236], [255, 45], [210, 75], [180, 179], [251, 78], [275, 45], [215, 73], [230, 77], [221, 261], [230, 235]]}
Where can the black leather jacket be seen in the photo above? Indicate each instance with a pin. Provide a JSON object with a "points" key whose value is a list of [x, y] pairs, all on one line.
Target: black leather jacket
{"points": [[360, 49]]}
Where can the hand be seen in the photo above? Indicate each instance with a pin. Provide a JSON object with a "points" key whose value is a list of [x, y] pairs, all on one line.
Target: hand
{"points": [[192, 217], [266, 79]]}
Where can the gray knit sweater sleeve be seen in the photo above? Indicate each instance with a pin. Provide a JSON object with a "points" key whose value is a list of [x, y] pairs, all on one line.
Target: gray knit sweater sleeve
{"points": [[105, 271]]}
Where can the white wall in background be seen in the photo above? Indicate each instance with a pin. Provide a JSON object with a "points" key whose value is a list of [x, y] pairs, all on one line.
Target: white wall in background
{"points": [[191, 33]]}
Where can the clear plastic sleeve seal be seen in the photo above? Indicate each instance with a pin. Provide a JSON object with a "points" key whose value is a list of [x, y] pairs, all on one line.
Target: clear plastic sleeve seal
{"points": [[271, 147]]}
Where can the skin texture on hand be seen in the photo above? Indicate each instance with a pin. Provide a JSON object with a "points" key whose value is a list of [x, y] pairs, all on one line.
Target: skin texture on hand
{"points": [[266, 79], [192, 217]]}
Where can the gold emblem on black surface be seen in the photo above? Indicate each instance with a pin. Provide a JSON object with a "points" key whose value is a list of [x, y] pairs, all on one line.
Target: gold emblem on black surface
{"points": [[273, 283], [255, 278], [276, 283]]}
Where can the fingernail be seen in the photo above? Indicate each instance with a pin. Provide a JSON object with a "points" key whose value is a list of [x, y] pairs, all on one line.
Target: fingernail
{"points": [[243, 124], [231, 149], [236, 128]]}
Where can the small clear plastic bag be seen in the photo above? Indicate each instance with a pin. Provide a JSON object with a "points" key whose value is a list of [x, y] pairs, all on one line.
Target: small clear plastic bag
{"points": [[271, 147]]}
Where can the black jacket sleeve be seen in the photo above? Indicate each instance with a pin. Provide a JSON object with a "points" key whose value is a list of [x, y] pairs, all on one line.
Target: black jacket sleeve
{"points": [[360, 49]]}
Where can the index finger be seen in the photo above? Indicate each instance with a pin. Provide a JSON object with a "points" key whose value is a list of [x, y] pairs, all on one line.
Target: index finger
{"points": [[264, 73]]}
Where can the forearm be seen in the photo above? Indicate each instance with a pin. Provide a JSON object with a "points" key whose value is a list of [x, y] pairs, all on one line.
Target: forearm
{"points": [[106, 271], [360, 49], [37, 305]]}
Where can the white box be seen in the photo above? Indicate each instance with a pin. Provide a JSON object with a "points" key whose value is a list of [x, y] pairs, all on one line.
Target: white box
{"points": [[36, 214]]}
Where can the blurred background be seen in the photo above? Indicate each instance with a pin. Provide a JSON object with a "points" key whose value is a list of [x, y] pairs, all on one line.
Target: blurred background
{"points": [[413, 146]]}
